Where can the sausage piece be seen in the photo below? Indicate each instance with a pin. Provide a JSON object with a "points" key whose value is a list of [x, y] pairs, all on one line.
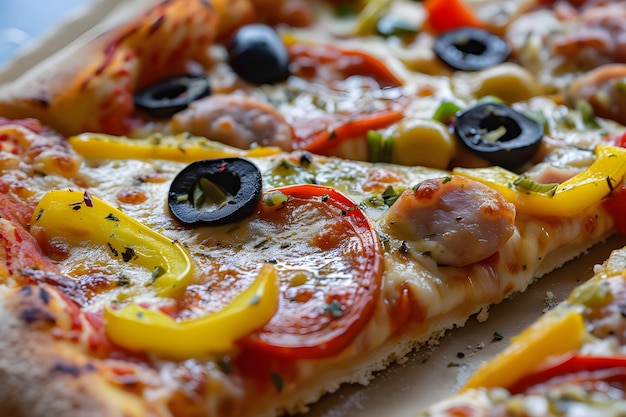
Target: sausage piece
{"points": [[605, 89], [456, 220], [234, 120]]}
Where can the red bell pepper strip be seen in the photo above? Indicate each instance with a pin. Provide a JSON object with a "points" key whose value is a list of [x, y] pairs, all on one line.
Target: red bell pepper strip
{"points": [[317, 135], [327, 64], [444, 15], [576, 367]]}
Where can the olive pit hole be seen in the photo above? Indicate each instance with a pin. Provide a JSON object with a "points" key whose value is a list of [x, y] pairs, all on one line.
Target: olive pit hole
{"points": [[470, 47]]}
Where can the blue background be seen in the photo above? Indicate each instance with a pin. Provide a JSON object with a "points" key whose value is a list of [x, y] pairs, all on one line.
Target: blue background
{"points": [[21, 21]]}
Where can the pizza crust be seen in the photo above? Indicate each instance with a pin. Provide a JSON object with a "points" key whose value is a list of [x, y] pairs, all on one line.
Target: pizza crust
{"points": [[33, 380]]}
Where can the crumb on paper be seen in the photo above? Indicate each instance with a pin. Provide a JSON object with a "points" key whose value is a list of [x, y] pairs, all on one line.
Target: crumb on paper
{"points": [[497, 337], [473, 349], [483, 314], [549, 301]]}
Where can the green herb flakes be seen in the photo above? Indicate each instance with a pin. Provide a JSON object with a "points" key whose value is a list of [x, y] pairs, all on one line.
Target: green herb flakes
{"points": [[334, 309], [157, 272], [278, 381]]}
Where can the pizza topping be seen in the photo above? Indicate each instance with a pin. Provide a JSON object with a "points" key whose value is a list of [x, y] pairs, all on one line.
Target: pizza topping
{"points": [[470, 49], [258, 55], [183, 148], [439, 216], [169, 96], [445, 15], [142, 329], [418, 141], [235, 120], [604, 89], [587, 370], [215, 191], [569, 197], [333, 286], [500, 134], [69, 215], [616, 206], [371, 14], [555, 335], [508, 81]]}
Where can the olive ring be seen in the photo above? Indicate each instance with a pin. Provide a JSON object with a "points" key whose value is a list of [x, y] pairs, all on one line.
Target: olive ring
{"points": [[238, 177], [167, 97], [499, 134], [470, 49]]}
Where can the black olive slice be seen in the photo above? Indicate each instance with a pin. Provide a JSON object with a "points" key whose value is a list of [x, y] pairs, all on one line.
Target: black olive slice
{"points": [[169, 96], [470, 49], [258, 55], [499, 134], [213, 192]]}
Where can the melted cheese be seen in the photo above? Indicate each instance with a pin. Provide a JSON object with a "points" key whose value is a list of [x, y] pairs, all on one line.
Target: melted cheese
{"points": [[438, 290]]}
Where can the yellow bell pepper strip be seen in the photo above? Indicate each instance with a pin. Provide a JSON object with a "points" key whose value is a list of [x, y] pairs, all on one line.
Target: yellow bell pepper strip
{"points": [[555, 334], [142, 329], [173, 148], [566, 199], [77, 216]]}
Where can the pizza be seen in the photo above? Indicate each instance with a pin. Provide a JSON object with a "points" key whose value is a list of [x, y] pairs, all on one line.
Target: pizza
{"points": [[232, 208], [569, 362]]}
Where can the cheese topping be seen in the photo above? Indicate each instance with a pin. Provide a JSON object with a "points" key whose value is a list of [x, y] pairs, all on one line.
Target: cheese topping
{"points": [[226, 258]]}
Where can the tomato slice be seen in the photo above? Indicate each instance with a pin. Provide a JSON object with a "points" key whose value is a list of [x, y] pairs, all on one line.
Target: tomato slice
{"points": [[332, 291]]}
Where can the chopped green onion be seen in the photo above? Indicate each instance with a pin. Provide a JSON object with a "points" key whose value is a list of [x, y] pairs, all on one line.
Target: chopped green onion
{"points": [[587, 114], [620, 86], [278, 382], [274, 198], [490, 99], [345, 9], [538, 117], [334, 309], [525, 183], [445, 111], [389, 196], [379, 149], [157, 272]]}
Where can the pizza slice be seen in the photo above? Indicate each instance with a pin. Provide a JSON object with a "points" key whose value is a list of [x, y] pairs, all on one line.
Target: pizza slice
{"points": [[569, 362], [576, 50], [179, 276], [298, 76]]}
